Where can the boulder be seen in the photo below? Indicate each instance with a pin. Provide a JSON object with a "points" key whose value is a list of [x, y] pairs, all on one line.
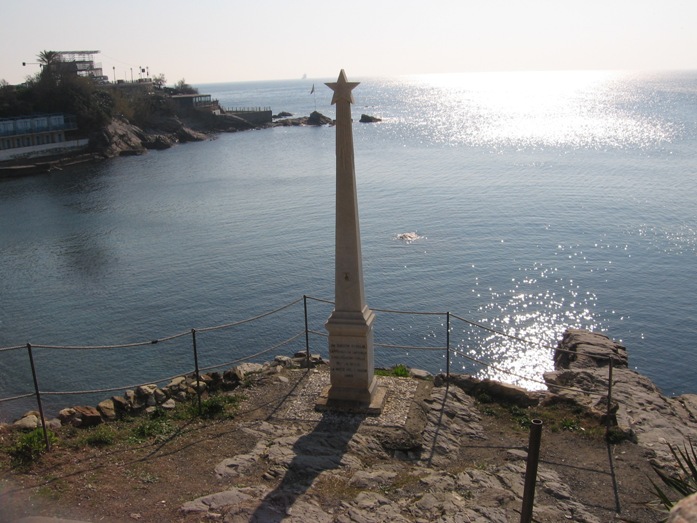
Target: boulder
{"points": [[243, 369], [121, 405], [88, 416], [420, 374], [27, 422], [170, 404], [144, 391], [66, 415], [107, 409]]}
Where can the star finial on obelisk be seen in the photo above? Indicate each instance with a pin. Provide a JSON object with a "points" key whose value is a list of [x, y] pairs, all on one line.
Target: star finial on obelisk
{"points": [[342, 88]]}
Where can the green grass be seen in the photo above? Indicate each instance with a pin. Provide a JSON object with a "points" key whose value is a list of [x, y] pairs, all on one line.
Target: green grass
{"points": [[220, 406], [555, 418], [100, 436], [399, 371]]}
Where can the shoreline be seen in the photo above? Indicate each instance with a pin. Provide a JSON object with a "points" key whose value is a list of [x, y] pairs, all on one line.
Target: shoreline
{"points": [[121, 138], [445, 447]]}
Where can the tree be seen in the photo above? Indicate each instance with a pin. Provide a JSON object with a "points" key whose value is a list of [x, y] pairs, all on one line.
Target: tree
{"points": [[49, 62], [159, 80], [183, 88], [48, 58]]}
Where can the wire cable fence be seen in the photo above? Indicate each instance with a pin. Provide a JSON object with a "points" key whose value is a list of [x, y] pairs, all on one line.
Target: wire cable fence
{"points": [[208, 352]]}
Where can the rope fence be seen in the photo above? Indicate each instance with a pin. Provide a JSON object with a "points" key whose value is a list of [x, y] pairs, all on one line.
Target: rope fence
{"points": [[449, 352]]}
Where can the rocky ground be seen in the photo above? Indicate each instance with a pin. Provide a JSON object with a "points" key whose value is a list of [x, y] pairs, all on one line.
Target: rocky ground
{"points": [[442, 450]]}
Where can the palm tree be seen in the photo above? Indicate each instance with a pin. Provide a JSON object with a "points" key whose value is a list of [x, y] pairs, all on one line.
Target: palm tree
{"points": [[48, 58]]}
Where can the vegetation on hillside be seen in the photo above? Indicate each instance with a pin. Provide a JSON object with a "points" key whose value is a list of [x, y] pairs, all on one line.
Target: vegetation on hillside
{"points": [[57, 89]]}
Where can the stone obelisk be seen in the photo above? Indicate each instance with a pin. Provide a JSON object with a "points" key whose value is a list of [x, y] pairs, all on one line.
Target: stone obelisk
{"points": [[350, 326]]}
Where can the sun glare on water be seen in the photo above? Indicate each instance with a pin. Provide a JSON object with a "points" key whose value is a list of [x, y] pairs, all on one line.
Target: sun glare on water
{"points": [[534, 109]]}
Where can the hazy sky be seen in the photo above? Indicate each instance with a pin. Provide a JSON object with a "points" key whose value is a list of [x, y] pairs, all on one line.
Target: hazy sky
{"points": [[232, 40]]}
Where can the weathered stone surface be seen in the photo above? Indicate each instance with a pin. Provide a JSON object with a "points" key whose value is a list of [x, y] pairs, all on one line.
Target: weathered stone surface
{"points": [[66, 415], [144, 391], [583, 349], [420, 374], [27, 422], [492, 389], [107, 409], [685, 511], [121, 404], [176, 382], [370, 479], [119, 138], [244, 369], [86, 416]]}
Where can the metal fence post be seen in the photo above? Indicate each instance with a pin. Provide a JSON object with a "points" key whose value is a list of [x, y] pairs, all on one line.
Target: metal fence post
{"points": [[307, 335], [447, 344], [38, 398], [531, 470], [608, 413], [198, 376]]}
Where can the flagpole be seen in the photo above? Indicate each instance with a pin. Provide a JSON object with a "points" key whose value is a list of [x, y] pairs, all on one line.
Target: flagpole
{"points": [[312, 92]]}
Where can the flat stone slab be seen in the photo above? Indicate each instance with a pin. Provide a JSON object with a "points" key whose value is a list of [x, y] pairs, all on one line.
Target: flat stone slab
{"points": [[325, 403], [300, 404]]}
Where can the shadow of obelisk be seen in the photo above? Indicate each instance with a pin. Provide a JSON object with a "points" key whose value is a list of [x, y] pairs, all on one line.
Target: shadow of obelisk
{"points": [[353, 385]]}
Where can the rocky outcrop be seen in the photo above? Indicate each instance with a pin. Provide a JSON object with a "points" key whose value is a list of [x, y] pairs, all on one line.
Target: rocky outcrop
{"points": [[118, 138], [369, 119], [639, 411], [280, 478], [121, 138], [316, 118]]}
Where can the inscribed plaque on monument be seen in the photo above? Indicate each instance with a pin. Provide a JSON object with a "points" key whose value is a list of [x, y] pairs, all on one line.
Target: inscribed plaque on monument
{"points": [[349, 360]]}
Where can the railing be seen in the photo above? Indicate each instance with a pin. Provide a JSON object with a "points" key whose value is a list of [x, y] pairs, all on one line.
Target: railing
{"points": [[448, 352], [246, 109], [69, 123], [305, 333]]}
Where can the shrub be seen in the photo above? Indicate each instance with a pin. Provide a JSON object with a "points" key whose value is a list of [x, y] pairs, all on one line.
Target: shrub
{"points": [[218, 406], [684, 483], [30, 446], [156, 427]]}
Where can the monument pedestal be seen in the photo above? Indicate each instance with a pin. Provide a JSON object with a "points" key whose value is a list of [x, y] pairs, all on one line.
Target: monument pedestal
{"points": [[353, 385]]}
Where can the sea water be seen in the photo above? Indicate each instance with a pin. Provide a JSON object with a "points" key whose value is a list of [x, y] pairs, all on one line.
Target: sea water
{"points": [[537, 202]]}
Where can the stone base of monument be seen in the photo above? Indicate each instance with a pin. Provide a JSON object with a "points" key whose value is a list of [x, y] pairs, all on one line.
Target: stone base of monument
{"points": [[332, 399]]}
